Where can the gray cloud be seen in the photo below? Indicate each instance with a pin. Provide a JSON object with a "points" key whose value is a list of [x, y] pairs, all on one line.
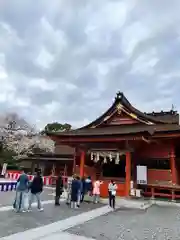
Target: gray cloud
{"points": [[65, 60]]}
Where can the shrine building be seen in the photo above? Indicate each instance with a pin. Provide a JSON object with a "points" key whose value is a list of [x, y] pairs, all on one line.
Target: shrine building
{"points": [[123, 138], [51, 164]]}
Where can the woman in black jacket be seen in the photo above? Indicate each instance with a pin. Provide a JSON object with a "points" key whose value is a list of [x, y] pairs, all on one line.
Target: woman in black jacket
{"points": [[36, 188], [59, 190]]}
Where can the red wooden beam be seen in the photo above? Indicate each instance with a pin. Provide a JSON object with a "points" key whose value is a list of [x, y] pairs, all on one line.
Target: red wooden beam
{"points": [[167, 135], [74, 139], [91, 140]]}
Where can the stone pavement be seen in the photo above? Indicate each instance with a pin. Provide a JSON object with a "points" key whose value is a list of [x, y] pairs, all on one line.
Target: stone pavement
{"points": [[129, 203], [12, 223], [92, 222], [65, 236], [160, 223], [141, 203]]}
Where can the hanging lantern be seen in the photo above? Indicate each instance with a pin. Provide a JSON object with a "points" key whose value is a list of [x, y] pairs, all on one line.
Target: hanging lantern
{"points": [[97, 157], [117, 159], [110, 157], [92, 156]]}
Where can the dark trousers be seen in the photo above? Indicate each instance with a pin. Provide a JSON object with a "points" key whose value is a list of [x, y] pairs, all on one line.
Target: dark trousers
{"points": [[111, 200], [82, 196], [57, 200]]}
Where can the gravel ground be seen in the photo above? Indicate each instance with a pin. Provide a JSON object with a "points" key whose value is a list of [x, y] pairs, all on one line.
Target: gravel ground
{"points": [[11, 222], [159, 223]]}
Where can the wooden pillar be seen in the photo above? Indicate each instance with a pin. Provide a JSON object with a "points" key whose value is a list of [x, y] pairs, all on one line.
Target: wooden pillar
{"points": [[36, 166], [173, 166], [32, 167], [82, 163], [128, 173], [42, 168], [53, 170]]}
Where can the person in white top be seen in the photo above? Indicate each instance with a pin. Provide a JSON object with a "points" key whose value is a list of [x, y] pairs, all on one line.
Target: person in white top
{"points": [[112, 188], [96, 190]]}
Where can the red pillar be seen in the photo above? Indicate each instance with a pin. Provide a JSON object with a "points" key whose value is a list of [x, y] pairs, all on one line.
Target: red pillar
{"points": [[82, 163], [128, 173], [74, 161], [173, 166]]}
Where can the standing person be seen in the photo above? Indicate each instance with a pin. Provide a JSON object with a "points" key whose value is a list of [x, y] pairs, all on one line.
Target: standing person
{"points": [[88, 186], [88, 189], [83, 188], [16, 195], [112, 188], [36, 188], [74, 192], [96, 191], [69, 187], [21, 191], [79, 191], [59, 190]]}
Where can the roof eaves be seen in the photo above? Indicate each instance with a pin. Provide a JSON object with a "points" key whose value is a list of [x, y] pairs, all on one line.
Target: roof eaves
{"points": [[127, 104]]}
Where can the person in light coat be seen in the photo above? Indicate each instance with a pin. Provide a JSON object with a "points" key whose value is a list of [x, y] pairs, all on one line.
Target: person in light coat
{"points": [[96, 190], [69, 186], [112, 189]]}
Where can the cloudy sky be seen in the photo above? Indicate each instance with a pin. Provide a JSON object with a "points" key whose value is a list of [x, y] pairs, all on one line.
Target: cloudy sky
{"points": [[64, 60]]}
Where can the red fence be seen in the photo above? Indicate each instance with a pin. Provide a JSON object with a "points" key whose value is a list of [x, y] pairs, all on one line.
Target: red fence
{"points": [[47, 180]]}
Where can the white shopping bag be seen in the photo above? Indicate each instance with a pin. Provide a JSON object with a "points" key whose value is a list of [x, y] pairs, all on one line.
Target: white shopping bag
{"points": [[113, 193], [65, 194], [26, 201]]}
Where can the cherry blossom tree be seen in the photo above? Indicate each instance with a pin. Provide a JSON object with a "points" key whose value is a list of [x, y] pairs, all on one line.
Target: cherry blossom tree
{"points": [[23, 141], [23, 145]]}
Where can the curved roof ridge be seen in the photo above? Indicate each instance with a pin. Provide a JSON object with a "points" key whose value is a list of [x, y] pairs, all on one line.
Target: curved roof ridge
{"points": [[121, 99], [138, 112]]}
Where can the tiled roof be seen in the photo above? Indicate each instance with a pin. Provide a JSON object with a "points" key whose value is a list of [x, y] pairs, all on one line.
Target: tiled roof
{"points": [[121, 130]]}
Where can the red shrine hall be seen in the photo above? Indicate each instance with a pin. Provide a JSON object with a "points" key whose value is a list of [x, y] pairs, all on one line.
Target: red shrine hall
{"points": [[122, 140]]}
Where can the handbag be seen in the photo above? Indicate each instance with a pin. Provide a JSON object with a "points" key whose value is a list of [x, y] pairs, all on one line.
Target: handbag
{"points": [[113, 193], [61, 191], [88, 197]]}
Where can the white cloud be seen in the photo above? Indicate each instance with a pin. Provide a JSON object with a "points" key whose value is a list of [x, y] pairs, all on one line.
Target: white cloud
{"points": [[44, 58], [66, 61], [3, 73], [145, 63], [42, 84], [22, 102], [132, 35]]}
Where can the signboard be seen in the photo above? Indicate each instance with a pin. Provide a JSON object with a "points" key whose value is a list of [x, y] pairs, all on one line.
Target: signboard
{"points": [[3, 172], [141, 174]]}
